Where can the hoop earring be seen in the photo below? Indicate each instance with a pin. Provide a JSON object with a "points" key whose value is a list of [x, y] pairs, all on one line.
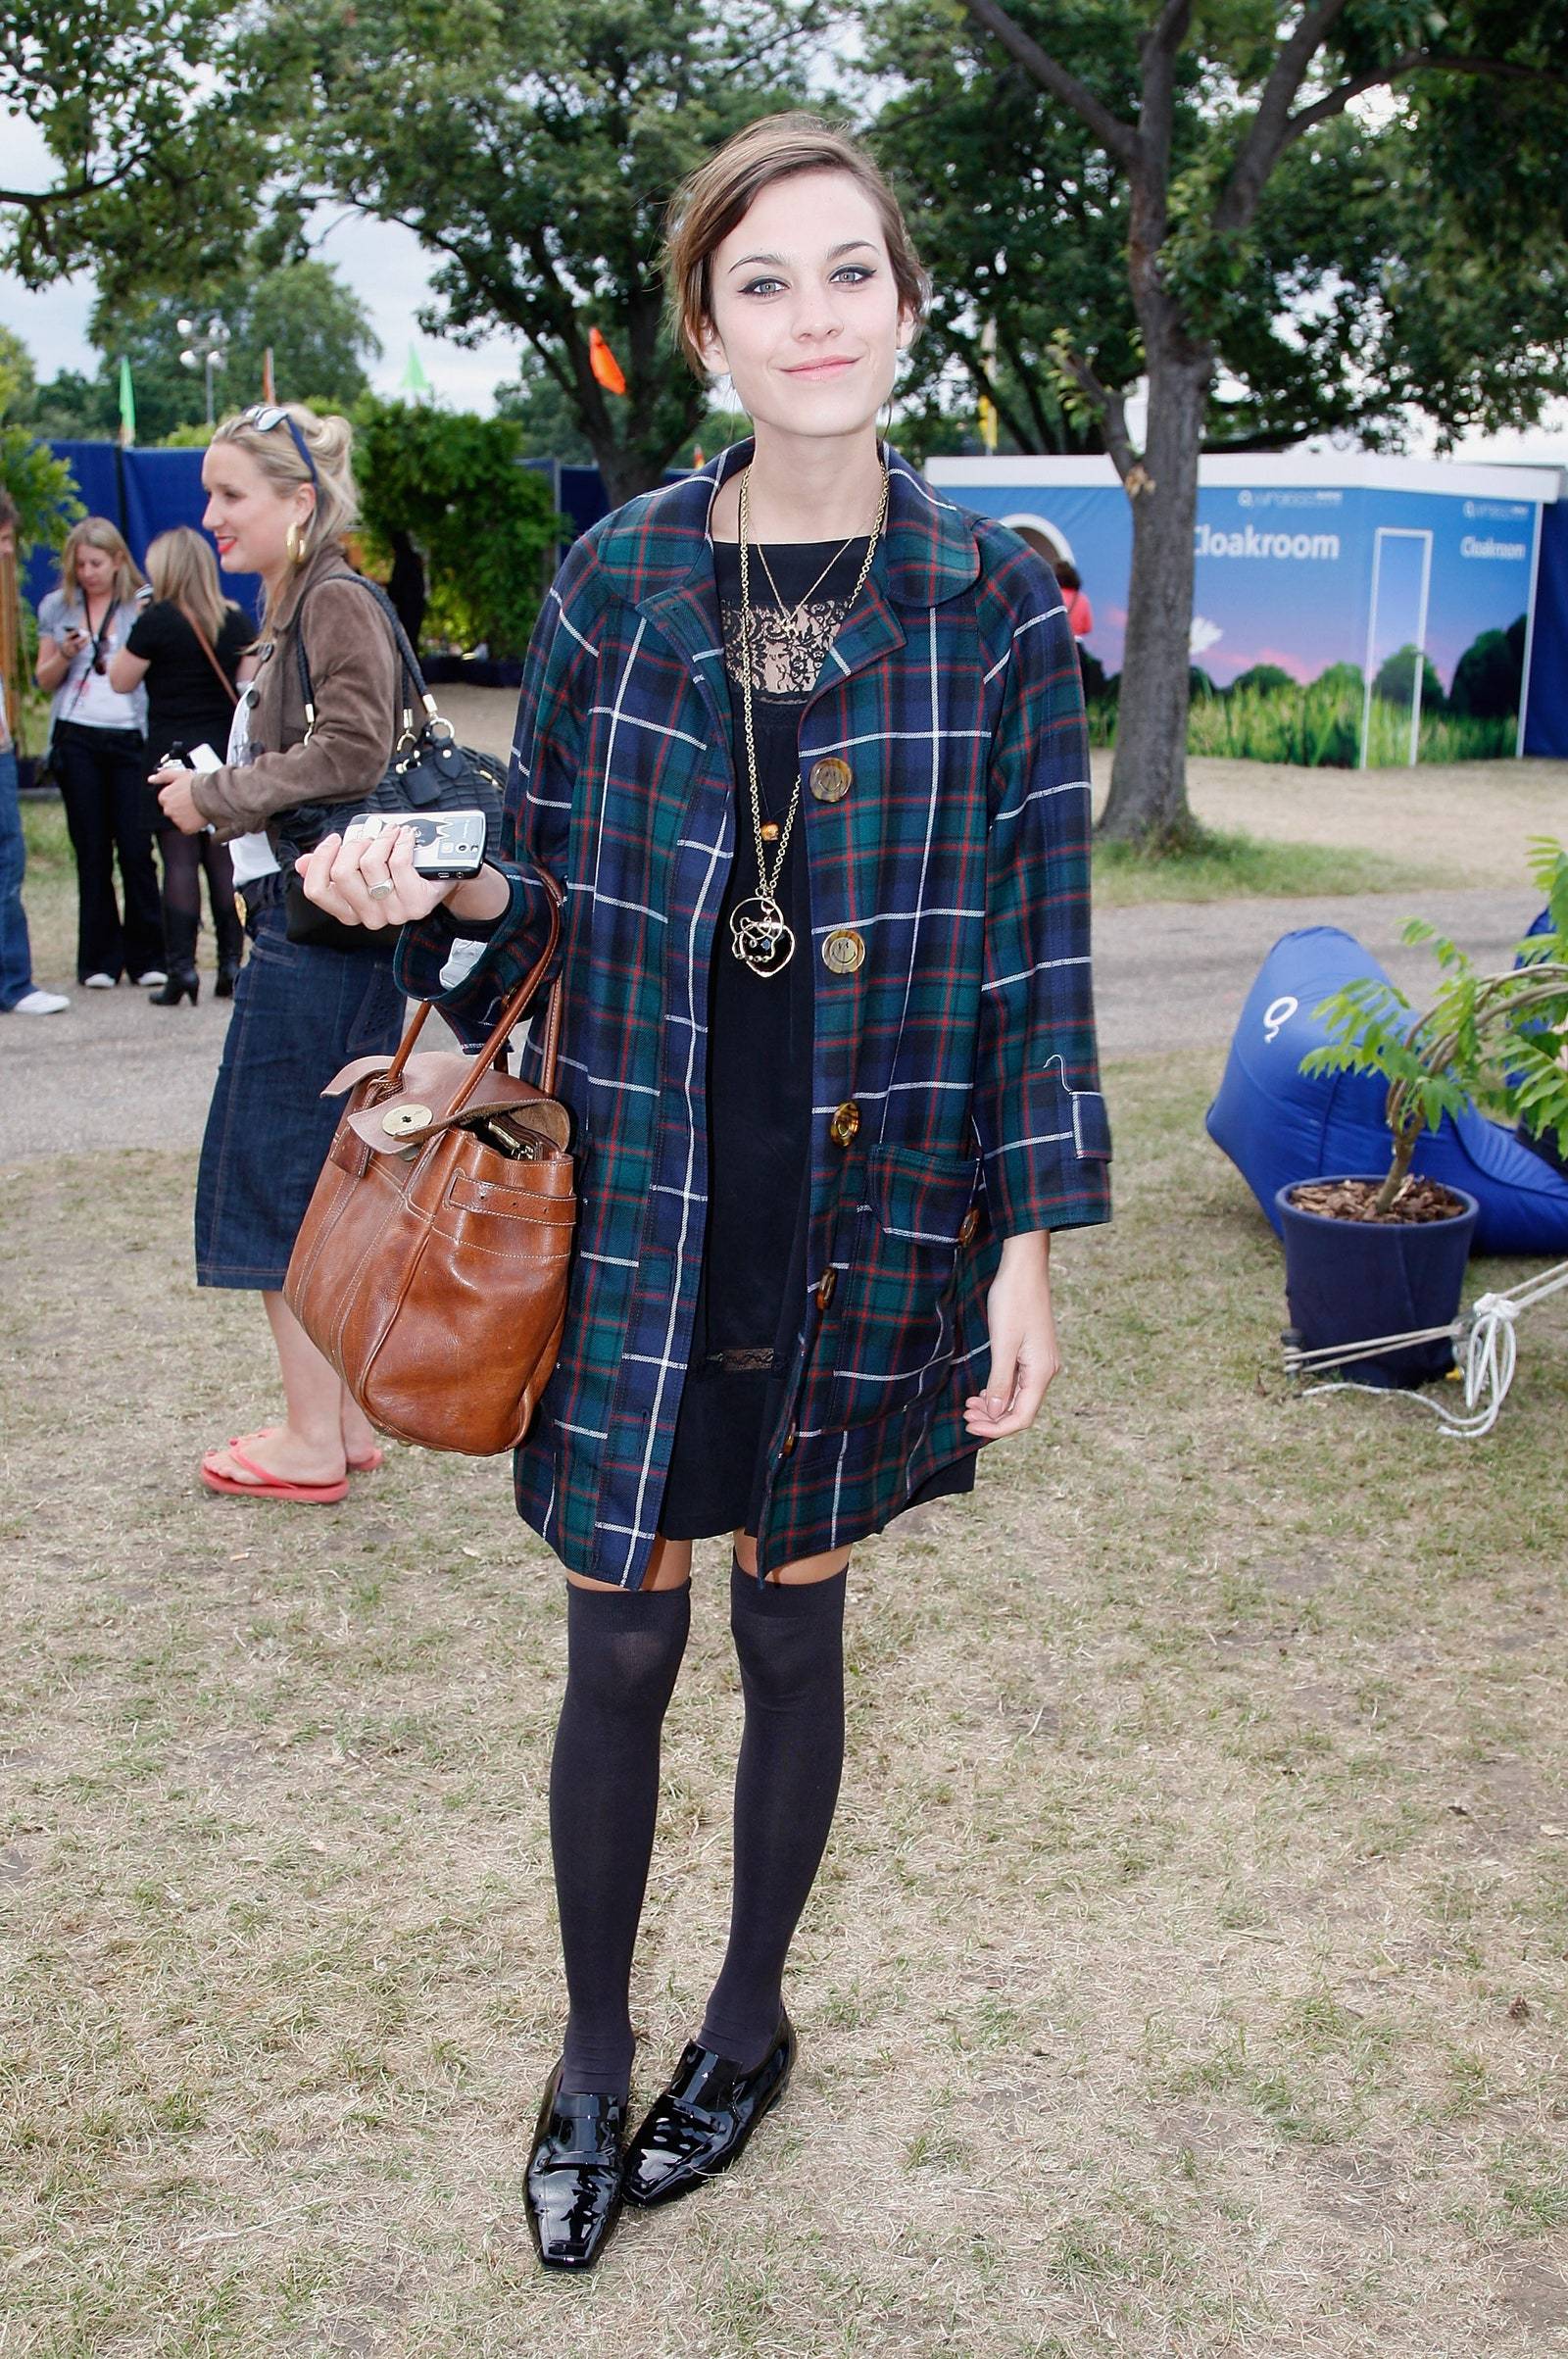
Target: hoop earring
{"points": [[297, 544]]}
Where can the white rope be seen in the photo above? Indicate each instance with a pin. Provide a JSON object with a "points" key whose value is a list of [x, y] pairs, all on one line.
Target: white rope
{"points": [[1488, 1352]]}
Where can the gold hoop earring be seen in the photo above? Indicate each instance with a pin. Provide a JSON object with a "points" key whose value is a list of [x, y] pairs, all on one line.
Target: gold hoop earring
{"points": [[297, 544]]}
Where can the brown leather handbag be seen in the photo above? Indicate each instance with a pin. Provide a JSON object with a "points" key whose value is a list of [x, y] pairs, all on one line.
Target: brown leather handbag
{"points": [[431, 1267]]}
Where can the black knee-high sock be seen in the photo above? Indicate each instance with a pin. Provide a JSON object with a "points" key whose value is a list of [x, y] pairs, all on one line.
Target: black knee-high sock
{"points": [[790, 1643], [623, 1651]]}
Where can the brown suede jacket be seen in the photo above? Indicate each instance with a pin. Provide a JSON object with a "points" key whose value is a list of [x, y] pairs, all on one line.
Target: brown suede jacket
{"points": [[354, 671]]}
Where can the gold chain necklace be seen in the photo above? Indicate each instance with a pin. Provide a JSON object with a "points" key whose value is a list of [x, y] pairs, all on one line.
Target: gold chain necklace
{"points": [[759, 934], [791, 614]]}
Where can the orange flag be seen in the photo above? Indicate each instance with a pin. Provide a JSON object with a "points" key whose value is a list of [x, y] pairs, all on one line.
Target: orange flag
{"points": [[604, 364]]}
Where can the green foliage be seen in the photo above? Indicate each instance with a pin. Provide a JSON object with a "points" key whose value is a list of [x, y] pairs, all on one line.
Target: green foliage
{"points": [[1397, 675], [1364, 283], [485, 522], [318, 334], [1020, 221], [534, 145], [44, 490], [1265, 677], [18, 382], [1318, 726], [1489, 678], [1491, 1040], [155, 137]]}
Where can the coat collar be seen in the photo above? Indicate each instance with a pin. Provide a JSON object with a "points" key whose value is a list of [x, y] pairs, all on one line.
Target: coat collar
{"points": [[327, 558], [661, 543]]}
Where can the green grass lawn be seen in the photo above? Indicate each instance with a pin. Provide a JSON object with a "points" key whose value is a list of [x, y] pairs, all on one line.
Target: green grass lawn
{"points": [[1235, 868], [1186, 1976]]}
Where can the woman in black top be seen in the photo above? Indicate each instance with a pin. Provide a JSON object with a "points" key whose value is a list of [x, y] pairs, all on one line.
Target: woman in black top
{"points": [[188, 646]]}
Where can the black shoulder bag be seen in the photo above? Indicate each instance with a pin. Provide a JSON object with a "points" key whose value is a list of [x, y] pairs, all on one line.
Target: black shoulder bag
{"points": [[429, 771]]}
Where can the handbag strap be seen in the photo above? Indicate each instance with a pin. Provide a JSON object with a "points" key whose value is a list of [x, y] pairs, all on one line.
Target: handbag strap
{"points": [[202, 642], [411, 683], [512, 1010]]}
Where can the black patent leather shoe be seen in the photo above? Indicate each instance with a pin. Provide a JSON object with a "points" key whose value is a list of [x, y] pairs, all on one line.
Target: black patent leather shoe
{"points": [[703, 2120], [574, 2183]]}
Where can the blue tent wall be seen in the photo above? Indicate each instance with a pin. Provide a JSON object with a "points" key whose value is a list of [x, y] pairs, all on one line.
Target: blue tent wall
{"points": [[142, 492], [1546, 717]]}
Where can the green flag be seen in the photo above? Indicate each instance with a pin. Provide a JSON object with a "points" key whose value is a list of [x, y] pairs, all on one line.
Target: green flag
{"points": [[128, 406], [414, 381]]}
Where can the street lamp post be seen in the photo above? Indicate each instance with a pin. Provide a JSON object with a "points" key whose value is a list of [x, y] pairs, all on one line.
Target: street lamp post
{"points": [[209, 354]]}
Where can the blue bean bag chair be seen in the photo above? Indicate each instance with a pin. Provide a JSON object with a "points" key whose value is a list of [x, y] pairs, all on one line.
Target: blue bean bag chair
{"points": [[1277, 1124]]}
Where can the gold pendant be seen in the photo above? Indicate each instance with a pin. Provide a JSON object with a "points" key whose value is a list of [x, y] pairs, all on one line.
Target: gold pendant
{"points": [[759, 935]]}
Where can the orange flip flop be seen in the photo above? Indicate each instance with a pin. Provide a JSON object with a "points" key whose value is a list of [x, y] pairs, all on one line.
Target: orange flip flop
{"points": [[272, 1486]]}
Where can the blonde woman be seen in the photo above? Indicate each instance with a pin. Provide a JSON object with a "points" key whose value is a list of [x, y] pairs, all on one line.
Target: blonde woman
{"points": [[281, 495], [806, 746], [186, 649], [100, 756]]}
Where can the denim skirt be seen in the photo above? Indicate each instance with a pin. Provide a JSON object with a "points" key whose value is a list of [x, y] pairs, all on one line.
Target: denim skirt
{"points": [[299, 1014]]}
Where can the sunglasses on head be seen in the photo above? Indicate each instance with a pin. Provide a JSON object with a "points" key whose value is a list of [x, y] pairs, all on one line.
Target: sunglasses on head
{"points": [[265, 415]]}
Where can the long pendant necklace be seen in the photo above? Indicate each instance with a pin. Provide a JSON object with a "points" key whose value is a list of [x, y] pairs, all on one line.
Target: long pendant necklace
{"points": [[759, 935]]}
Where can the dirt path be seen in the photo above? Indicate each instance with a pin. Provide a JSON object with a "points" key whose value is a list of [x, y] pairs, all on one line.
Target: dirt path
{"points": [[1169, 976]]}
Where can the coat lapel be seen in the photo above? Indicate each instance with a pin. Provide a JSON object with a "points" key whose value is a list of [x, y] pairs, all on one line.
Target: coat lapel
{"points": [[661, 553]]}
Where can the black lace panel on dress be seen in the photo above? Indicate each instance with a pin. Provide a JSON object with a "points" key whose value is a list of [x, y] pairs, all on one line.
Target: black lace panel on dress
{"points": [[783, 653]]}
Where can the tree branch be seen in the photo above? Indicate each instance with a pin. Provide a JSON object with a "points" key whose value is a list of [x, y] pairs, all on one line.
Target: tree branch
{"points": [[1112, 408], [1414, 61], [1116, 137], [1270, 132]]}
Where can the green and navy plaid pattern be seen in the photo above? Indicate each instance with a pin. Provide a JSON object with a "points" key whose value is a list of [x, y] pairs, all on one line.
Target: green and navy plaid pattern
{"points": [[964, 1041]]}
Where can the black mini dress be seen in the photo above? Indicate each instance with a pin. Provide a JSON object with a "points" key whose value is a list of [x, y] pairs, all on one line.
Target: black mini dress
{"points": [[752, 1292]]}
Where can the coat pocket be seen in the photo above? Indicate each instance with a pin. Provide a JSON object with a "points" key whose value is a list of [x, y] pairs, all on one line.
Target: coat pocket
{"points": [[894, 1338]]}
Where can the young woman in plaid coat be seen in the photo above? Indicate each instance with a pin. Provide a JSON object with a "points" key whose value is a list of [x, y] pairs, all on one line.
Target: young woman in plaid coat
{"points": [[804, 745]]}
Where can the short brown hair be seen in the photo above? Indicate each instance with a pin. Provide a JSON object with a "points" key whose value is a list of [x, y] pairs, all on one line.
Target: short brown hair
{"points": [[721, 192]]}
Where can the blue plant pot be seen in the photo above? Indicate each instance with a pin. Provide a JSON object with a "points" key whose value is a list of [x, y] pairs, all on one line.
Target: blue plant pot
{"points": [[1349, 1281]]}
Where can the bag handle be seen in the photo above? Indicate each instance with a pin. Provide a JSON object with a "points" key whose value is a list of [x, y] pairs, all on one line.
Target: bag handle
{"points": [[412, 683], [513, 1009]]}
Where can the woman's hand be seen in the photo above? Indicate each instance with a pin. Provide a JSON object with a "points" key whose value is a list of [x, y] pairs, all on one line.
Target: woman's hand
{"points": [[56, 656], [171, 786], [371, 881], [1023, 1341]]}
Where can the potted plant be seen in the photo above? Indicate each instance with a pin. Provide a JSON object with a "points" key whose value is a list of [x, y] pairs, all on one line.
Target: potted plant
{"points": [[1369, 1255]]}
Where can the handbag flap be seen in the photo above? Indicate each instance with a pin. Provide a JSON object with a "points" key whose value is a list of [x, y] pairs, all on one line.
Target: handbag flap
{"points": [[420, 1105]]}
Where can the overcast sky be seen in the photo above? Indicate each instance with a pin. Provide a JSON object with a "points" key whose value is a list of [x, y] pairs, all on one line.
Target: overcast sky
{"points": [[389, 273]]}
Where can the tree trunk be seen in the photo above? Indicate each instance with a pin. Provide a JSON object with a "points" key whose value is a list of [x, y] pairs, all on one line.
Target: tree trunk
{"points": [[1147, 802], [625, 469]]}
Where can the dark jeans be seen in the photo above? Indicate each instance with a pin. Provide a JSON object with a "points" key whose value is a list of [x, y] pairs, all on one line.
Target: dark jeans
{"points": [[16, 956], [300, 1013], [102, 775]]}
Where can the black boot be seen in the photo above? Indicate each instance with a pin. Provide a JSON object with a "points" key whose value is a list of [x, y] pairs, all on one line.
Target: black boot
{"points": [[179, 958], [181, 983]]}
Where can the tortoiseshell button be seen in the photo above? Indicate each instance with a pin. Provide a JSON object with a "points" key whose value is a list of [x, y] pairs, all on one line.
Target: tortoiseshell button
{"points": [[829, 778]]}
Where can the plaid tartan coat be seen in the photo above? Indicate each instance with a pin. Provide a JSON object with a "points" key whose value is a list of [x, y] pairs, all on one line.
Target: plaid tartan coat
{"points": [[955, 1091]]}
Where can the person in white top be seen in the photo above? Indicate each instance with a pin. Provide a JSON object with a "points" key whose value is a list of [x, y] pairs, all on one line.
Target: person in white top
{"points": [[100, 756], [19, 994]]}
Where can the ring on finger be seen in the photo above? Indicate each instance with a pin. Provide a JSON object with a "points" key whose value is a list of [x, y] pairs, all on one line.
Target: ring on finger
{"points": [[383, 891]]}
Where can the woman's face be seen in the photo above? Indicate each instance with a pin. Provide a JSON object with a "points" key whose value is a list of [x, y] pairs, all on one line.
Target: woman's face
{"points": [[246, 516], [95, 570], [806, 315]]}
